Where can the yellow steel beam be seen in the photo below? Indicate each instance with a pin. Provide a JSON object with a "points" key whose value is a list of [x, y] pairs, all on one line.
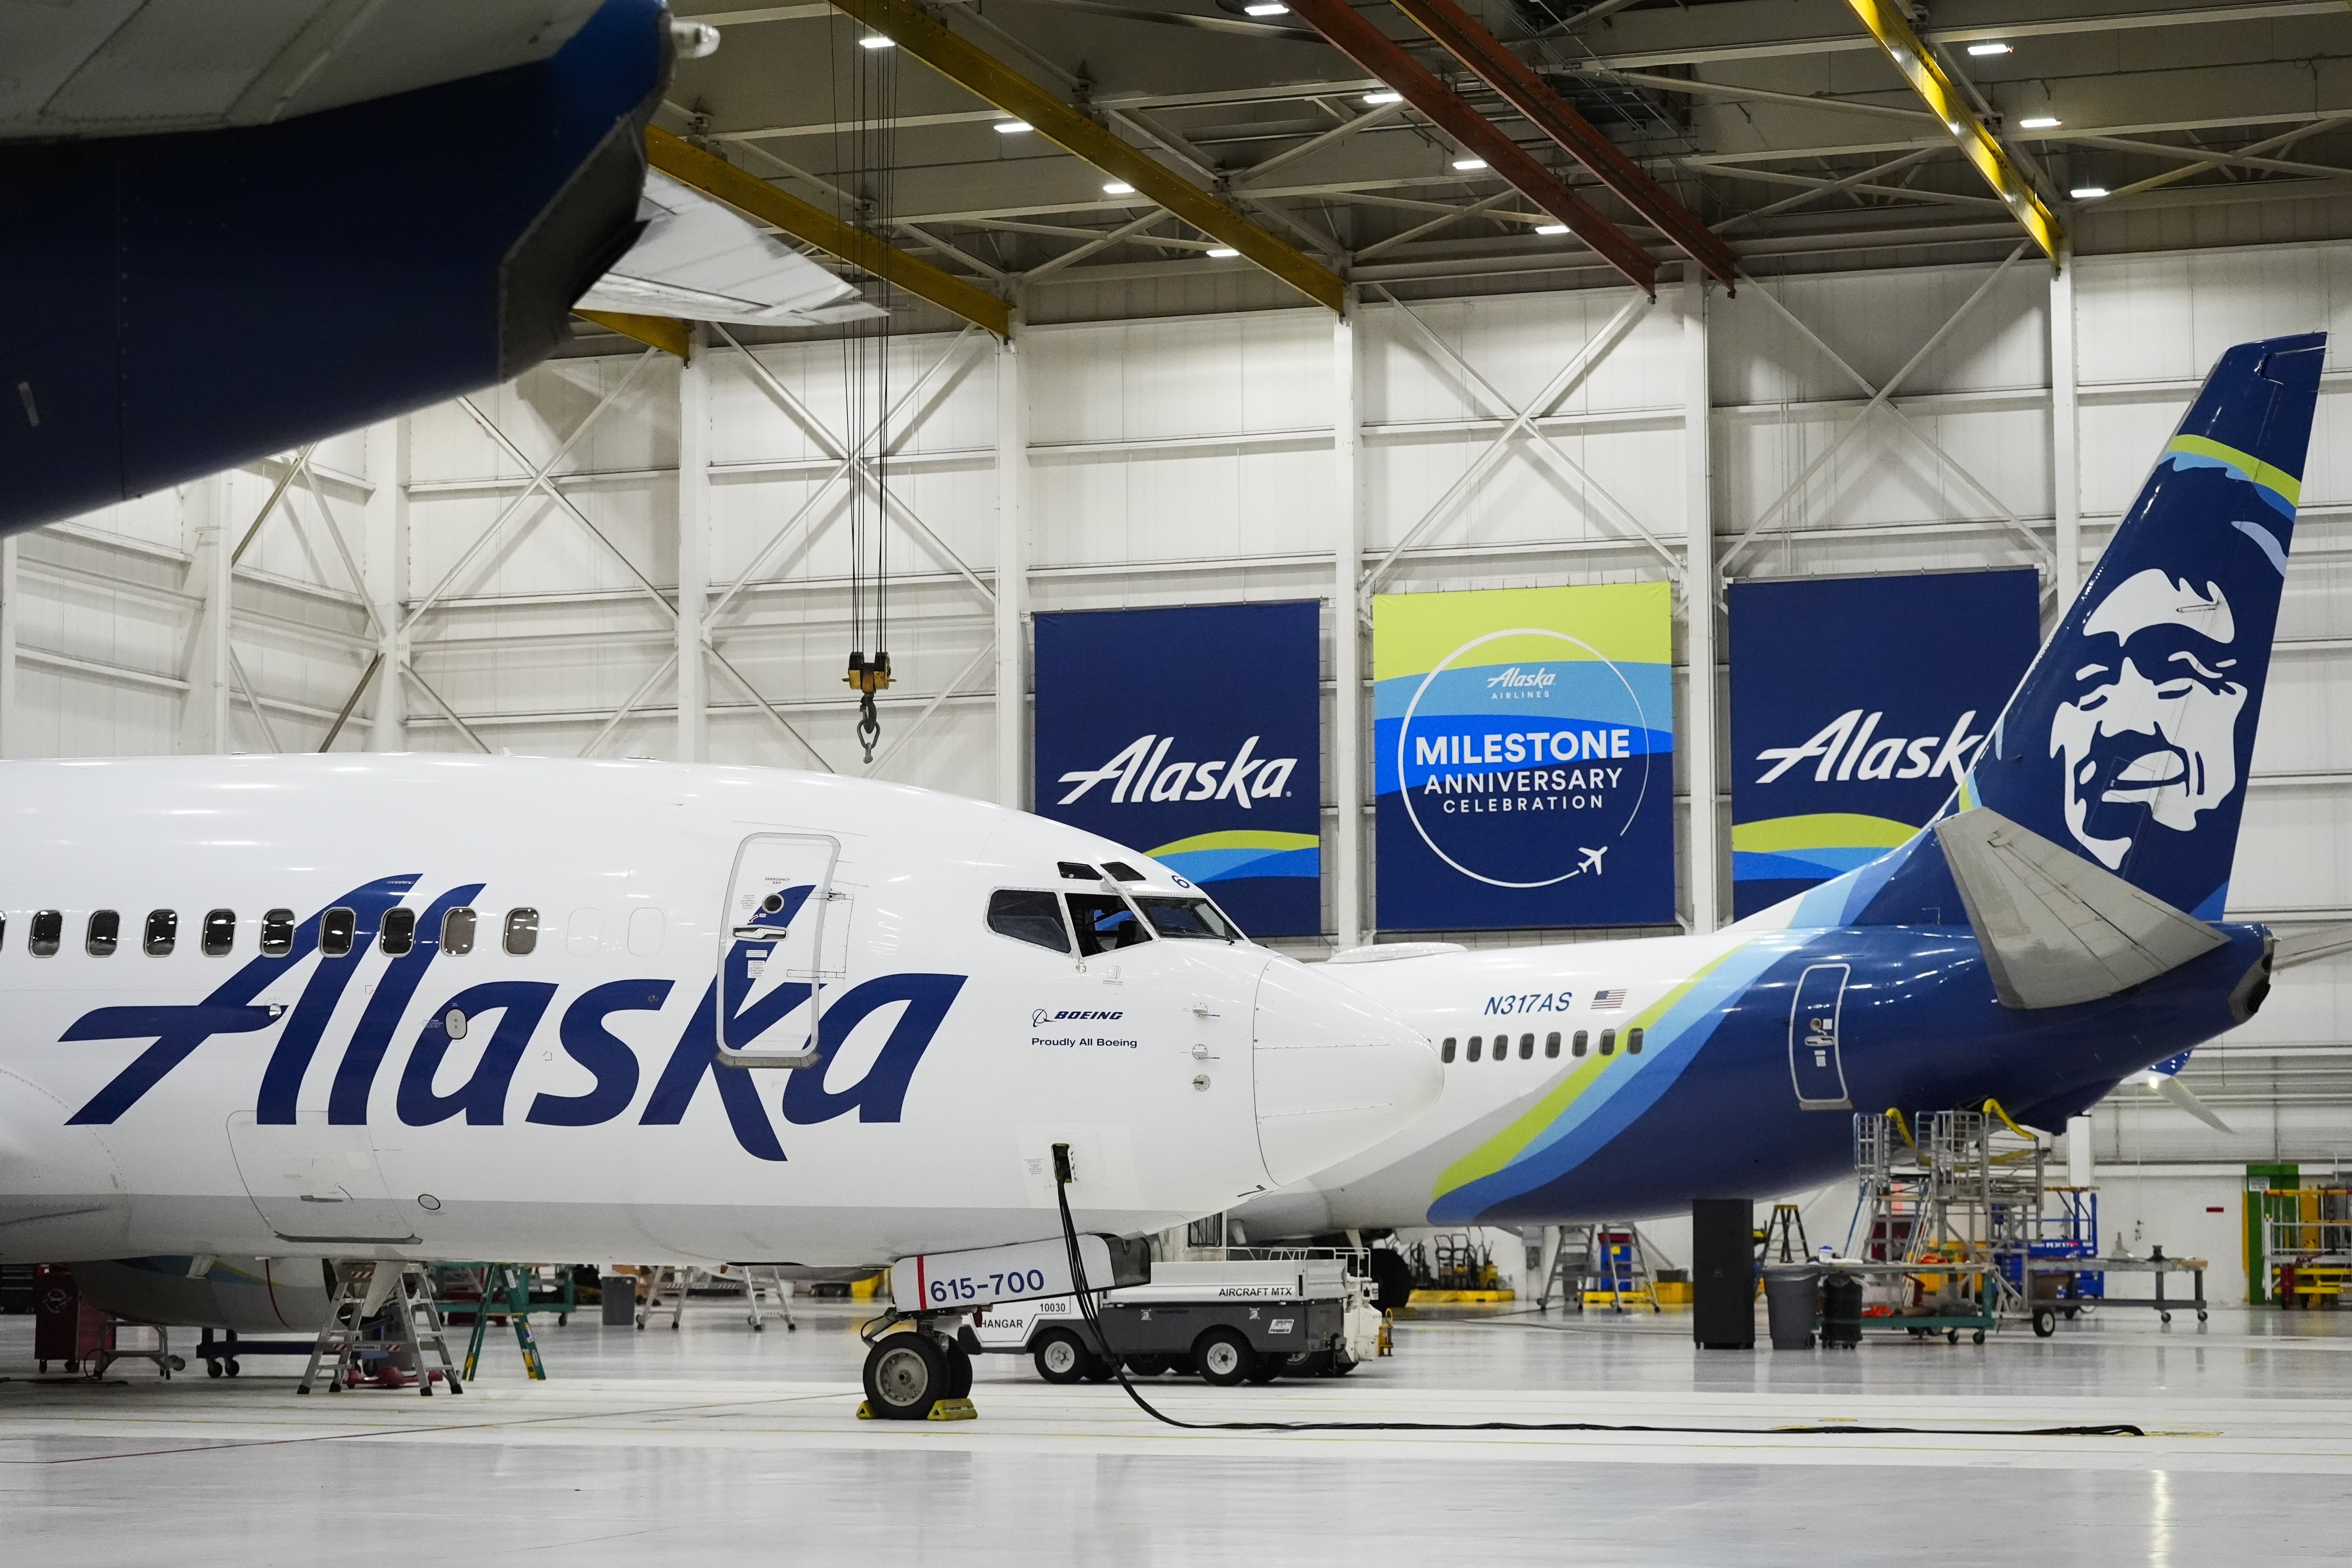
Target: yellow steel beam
{"points": [[1887, 23], [666, 333], [993, 81], [715, 176]]}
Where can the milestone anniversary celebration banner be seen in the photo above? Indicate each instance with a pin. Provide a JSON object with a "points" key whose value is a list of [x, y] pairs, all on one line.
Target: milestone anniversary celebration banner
{"points": [[1194, 735], [1523, 744], [1856, 705]]}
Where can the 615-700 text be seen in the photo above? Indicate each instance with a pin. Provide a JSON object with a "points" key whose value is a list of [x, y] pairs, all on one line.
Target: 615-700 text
{"points": [[988, 1287]]}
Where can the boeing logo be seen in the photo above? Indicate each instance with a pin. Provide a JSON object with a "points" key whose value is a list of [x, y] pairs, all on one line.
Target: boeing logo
{"points": [[1141, 772], [1847, 750], [1044, 1016]]}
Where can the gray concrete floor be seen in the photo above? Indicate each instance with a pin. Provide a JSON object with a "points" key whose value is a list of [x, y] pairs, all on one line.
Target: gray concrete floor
{"points": [[713, 1441]]}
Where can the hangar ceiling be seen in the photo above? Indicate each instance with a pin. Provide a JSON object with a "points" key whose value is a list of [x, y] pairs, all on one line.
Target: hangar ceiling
{"points": [[1781, 124]]}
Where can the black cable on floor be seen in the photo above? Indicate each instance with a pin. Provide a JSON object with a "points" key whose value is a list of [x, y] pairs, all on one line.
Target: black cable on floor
{"points": [[1086, 1310]]}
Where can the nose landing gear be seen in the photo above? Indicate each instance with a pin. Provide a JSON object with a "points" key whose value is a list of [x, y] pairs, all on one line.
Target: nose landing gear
{"points": [[915, 1372]]}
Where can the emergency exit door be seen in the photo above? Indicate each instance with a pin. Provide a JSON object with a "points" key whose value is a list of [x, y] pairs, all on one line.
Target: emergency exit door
{"points": [[1813, 1023], [786, 935]]}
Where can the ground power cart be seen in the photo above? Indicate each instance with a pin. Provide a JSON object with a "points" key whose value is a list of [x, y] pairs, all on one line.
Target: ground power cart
{"points": [[1226, 1323]]}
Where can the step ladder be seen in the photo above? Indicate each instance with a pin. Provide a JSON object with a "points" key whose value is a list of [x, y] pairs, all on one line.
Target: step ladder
{"points": [[1787, 1226], [363, 1287], [755, 1278], [665, 1291], [1601, 1265], [506, 1290]]}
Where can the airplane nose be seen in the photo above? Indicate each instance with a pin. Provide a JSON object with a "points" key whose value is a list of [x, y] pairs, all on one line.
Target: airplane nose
{"points": [[1336, 1072]]}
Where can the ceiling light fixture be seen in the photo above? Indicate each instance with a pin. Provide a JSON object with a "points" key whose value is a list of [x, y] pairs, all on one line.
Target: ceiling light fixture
{"points": [[1223, 253], [1119, 188], [877, 41], [1980, 50], [2038, 122], [1377, 98], [1011, 127], [2088, 193], [1466, 164], [1551, 228]]}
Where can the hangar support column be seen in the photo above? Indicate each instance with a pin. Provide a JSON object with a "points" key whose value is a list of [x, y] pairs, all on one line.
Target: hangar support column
{"points": [[1699, 590], [1347, 641], [1012, 570], [386, 548], [2066, 435], [693, 548]]}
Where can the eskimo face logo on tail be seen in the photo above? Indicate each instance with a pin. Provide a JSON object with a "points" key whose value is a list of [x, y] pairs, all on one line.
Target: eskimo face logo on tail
{"points": [[2157, 727]]}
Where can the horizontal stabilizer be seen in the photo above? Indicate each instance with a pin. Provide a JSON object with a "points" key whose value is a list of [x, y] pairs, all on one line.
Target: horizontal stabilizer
{"points": [[2303, 947], [2057, 930]]}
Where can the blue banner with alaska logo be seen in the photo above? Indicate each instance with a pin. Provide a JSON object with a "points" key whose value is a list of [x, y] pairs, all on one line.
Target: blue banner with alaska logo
{"points": [[1523, 746], [1194, 735], [1858, 703]]}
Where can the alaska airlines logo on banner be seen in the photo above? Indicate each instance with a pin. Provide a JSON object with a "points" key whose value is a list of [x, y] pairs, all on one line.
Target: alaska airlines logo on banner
{"points": [[1523, 757], [1194, 735], [1857, 706]]}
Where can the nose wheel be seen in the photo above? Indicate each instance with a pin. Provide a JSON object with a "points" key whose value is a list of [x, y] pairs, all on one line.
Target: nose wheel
{"points": [[917, 1375]]}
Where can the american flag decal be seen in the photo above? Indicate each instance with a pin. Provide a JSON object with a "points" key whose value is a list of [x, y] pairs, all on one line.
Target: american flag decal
{"points": [[1609, 1001]]}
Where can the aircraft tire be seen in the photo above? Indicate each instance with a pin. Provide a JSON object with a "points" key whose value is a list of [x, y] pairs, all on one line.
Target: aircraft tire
{"points": [[906, 1374], [1224, 1358], [1060, 1356], [959, 1372]]}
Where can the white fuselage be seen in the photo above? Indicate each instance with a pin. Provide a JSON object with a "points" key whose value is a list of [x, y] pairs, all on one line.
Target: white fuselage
{"points": [[563, 1101]]}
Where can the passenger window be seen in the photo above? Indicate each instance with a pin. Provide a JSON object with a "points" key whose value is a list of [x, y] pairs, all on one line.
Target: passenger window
{"points": [[1552, 1044], [1195, 918], [336, 928], [1633, 1042], [522, 931], [220, 932], [1526, 1047], [1608, 1042], [1445, 1052], [163, 933], [48, 931], [1072, 873], [1576, 1046], [399, 932], [1032, 918], [104, 933], [457, 933], [278, 934], [1476, 1042], [1104, 923]]}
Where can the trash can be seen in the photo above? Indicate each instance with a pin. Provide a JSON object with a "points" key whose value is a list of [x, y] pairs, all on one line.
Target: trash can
{"points": [[620, 1301], [1842, 1311], [1792, 1294]]}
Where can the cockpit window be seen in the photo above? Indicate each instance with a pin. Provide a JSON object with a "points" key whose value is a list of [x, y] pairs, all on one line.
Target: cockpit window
{"points": [[1120, 871], [1072, 871], [1032, 917], [1182, 918], [1104, 922]]}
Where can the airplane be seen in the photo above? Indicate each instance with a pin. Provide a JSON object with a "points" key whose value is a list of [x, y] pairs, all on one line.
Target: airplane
{"points": [[404, 1008], [1591, 860], [2057, 928], [250, 228]]}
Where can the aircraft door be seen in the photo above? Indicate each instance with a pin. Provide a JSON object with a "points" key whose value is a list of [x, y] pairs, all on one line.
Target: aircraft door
{"points": [[313, 1182], [1813, 1023], [787, 935]]}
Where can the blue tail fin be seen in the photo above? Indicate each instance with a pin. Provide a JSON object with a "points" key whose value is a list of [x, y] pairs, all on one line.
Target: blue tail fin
{"points": [[2130, 738]]}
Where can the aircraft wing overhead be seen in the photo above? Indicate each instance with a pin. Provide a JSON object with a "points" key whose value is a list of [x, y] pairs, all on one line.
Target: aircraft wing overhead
{"points": [[699, 260], [2057, 930]]}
